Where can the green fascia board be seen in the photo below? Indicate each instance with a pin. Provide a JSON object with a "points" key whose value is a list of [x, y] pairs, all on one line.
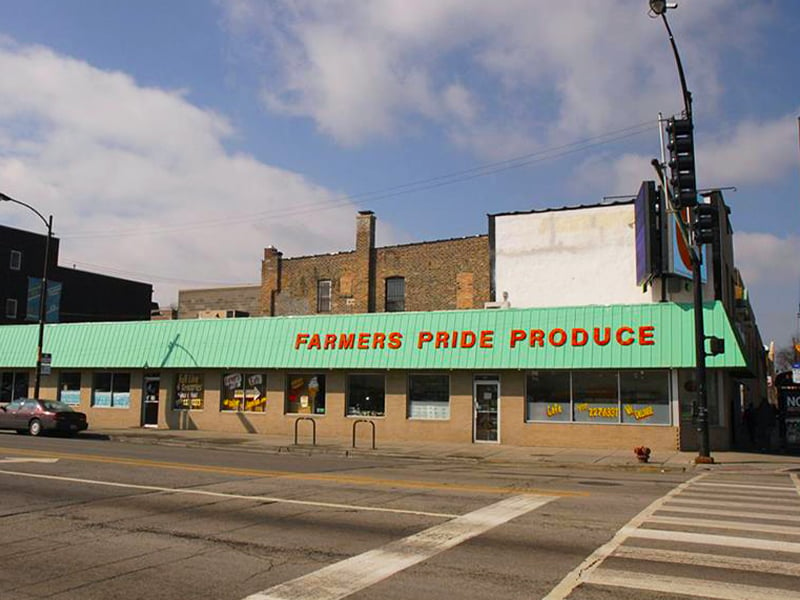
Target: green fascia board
{"points": [[650, 336]]}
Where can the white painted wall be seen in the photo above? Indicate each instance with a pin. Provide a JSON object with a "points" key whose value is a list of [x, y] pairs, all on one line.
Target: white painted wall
{"points": [[568, 258]]}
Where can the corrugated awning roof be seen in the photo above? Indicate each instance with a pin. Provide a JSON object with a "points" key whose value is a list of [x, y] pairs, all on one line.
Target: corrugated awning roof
{"points": [[618, 336]]}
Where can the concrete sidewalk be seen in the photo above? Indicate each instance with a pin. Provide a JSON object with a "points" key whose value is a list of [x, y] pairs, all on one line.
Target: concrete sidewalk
{"points": [[420, 450]]}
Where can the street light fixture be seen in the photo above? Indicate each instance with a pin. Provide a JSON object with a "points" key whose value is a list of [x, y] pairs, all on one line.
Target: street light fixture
{"points": [[42, 291], [659, 8]]}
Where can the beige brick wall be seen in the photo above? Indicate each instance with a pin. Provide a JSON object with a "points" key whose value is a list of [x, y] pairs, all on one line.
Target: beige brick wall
{"points": [[335, 426], [244, 298]]}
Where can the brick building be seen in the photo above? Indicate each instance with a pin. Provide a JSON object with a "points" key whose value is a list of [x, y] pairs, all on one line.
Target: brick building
{"points": [[435, 275]]}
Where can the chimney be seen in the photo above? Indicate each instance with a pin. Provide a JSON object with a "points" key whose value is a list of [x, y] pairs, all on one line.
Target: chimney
{"points": [[270, 280], [364, 292]]}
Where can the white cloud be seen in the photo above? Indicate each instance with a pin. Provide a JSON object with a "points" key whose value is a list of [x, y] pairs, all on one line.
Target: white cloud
{"points": [[767, 259], [770, 269], [753, 152], [548, 71], [108, 158]]}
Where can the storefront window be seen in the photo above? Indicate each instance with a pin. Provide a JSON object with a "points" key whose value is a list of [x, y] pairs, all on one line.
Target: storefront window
{"points": [[548, 396], [244, 392], [112, 390], [639, 397], [645, 397], [188, 392], [366, 395], [69, 388], [595, 396], [305, 394], [13, 385], [428, 397]]}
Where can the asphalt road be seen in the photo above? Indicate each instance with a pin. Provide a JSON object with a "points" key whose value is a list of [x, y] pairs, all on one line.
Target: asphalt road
{"points": [[96, 519]]}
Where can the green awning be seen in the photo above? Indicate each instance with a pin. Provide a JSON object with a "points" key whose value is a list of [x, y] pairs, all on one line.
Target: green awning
{"points": [[583, 337]]}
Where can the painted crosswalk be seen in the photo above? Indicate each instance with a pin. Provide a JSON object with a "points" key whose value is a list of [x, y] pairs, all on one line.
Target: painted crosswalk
{"points": [[719, 535]]}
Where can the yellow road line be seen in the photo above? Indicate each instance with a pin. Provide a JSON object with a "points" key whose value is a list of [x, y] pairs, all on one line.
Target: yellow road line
{"points": [[320, 477]]}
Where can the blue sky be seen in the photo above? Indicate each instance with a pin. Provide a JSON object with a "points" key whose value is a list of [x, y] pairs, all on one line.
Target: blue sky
{"points": [[173, 141]]}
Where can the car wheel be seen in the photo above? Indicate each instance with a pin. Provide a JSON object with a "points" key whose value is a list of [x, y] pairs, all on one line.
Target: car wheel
{"points": [[35, 427]]}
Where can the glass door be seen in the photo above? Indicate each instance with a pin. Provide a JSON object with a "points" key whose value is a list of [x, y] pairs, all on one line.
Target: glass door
{"points": [[152, 386], [487, 411]]}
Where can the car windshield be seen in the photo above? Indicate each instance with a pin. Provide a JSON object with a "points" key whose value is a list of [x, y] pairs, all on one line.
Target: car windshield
{"points": [[56, 406]]}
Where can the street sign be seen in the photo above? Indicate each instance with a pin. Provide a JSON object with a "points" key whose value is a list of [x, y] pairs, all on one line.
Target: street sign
{"points": [[47, 360], [796, 373]]}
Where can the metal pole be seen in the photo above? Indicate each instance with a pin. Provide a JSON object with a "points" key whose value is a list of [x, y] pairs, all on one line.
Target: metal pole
{"points": [[704, 451], [42, 310]]}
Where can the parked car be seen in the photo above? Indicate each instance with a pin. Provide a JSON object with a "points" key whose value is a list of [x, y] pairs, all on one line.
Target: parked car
{"points": [[35, 416]]}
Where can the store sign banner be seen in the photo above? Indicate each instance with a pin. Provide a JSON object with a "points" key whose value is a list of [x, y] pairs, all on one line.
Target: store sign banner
{"points": [[487, 338]]}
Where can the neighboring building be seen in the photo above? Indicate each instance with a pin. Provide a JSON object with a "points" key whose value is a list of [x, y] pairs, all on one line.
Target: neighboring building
{"points": [[77, 295], [242, 300], [434, 275]]}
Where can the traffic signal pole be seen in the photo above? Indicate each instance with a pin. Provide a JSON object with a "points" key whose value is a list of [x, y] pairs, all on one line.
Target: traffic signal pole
{"points": [[684, 195]]}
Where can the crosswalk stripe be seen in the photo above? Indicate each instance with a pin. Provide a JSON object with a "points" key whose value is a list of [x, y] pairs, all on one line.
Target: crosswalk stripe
{"points": [[719, 524], [782, 488], [720, 561], [687, 586], [352, 575], [727, 513], [751, 505], [716, 540], [579, 573], [708, 494]]}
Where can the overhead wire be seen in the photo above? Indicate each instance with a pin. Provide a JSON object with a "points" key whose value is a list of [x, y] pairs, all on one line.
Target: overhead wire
{"points": [[392, 191], [369, 196]]}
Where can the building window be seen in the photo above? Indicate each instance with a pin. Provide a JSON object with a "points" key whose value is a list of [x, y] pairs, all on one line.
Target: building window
{"points": [[11, 308], [428, 397], [324, 287], [244, 392], [595, 396], [112, 390], [15, 262], [395, 294], [69, 388], [366, 395], [13, 385], [188, 392], [305, 394], [549, 397], [644, 396], [637, 397]]}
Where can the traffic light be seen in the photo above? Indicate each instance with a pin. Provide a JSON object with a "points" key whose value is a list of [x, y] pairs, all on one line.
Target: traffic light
{"points": [[705, 223], [681, 162]]}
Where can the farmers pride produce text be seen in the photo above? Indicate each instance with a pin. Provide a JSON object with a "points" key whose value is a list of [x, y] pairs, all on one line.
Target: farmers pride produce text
{"points": [[487, 338]]}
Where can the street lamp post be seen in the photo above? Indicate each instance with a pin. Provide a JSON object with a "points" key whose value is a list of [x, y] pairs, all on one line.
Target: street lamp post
{"points": [[659, 8], [42, 291]]}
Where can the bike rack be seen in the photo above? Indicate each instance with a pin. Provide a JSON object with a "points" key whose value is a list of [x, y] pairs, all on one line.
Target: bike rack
{"points": [[313, 429], [356, 422]]}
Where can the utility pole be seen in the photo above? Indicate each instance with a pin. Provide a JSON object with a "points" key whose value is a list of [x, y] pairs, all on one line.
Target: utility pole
{"points": [[684, 196]]}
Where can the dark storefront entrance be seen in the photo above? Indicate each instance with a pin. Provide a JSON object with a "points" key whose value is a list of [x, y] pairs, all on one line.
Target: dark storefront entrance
{"points": [[152, 386]]}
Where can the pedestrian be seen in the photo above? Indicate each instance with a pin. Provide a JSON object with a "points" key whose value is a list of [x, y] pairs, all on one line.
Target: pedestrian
{"points": [[765, 421]]}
